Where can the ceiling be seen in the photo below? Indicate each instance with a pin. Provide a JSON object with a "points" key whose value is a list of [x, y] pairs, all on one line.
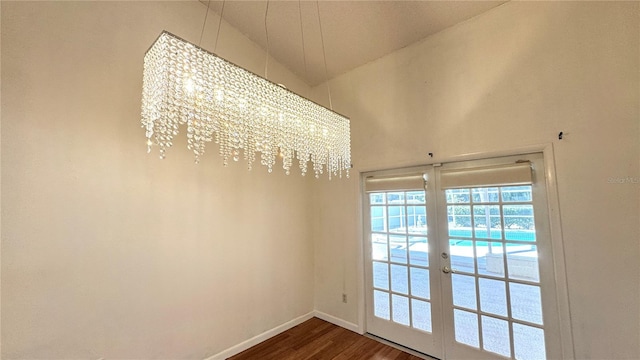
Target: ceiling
{"points": [[354, 32]]}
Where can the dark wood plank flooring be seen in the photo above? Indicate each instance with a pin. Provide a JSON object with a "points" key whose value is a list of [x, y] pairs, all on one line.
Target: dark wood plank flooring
{"points": [[320, 340]]}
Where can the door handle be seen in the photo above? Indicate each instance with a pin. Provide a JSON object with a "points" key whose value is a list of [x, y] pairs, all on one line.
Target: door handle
{"points": [[448, 270]]}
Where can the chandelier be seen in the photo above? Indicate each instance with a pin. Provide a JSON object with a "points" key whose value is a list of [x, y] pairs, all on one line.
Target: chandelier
{"points": [[242, 112]]}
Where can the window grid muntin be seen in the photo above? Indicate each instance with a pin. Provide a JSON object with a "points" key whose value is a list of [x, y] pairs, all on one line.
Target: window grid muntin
{"points": [[407, 200], [458, 193]]}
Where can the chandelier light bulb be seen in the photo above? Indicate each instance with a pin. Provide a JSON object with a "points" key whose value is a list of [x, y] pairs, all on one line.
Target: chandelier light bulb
{"points": [[190, 86]]}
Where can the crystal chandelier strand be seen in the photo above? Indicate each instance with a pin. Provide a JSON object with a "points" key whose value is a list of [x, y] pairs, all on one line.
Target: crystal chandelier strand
{"points": [[239, 110]]}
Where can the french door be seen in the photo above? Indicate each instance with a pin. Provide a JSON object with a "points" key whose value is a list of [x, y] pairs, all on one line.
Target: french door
{"points": [[459, 263]]}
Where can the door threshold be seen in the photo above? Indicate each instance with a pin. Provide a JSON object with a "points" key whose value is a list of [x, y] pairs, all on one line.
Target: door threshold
{"points": [[400, 347]]}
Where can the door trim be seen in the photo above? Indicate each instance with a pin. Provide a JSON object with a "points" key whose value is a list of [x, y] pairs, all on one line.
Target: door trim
{"points": [[555, 227]]}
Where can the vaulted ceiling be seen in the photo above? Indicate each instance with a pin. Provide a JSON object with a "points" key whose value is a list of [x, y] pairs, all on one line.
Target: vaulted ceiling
{"points": [[354, 32]]}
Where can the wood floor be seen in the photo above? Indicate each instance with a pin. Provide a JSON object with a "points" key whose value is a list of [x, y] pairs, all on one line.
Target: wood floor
{"points": [[319, 340]]}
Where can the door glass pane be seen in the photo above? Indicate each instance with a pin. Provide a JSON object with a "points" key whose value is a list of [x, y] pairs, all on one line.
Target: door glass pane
{"points": [[397, 219], [526, 303], [459, 220], [400, 306], [518, 222], [416, 197], [522, 262], [495, 336], [487, 223], [420, 283], [492, 263], [418, 251], [380, 275], [462, 255], [399, 280], [379, 247], [528, 342], [377, 198], [493, 296], [417, 220], [378, 218], [464, 291], [381, 304], [457, 196], [516, 193], [398, 248], [466, 327], [421, 314]]}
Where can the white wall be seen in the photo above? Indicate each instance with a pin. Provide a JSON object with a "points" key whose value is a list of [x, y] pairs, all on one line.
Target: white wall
{"points": [[110, 252], [514, 76]]}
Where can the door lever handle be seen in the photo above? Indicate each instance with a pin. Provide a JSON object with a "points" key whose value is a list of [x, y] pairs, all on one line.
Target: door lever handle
{"points": [[448, 270]]}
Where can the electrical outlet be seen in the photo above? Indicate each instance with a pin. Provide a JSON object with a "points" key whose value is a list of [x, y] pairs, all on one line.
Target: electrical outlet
{"points": [[344, 298]]}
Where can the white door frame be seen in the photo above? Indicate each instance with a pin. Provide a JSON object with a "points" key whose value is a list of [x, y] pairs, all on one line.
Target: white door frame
{"points": [[555, 226]]}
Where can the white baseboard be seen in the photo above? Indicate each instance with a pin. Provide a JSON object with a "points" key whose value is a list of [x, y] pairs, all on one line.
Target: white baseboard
{"points": [[261, 337], [337, 321], [234, 350]]}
